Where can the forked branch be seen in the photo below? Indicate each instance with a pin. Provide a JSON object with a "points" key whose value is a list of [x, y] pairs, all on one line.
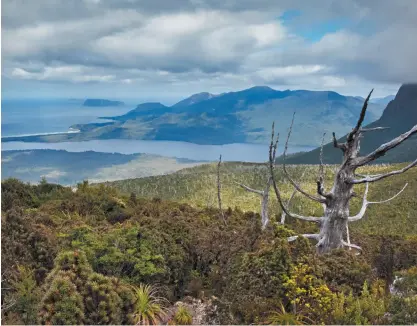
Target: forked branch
{"points": [[272, 152], [264, 194], [383, 149], [366, 203], [373, 178], [294, 184], [336, 144]]}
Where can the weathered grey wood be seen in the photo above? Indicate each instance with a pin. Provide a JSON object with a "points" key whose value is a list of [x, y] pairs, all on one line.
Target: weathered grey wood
{"points": [[272, 155], [334, 222], [284, 167], [264, 194]]}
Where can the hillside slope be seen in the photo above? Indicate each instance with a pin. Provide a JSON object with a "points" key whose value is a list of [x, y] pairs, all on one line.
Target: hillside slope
{"points": [[399, 116], [198, 186]]}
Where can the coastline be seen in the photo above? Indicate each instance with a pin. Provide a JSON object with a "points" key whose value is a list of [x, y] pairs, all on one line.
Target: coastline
{"points": [[70, 131]]}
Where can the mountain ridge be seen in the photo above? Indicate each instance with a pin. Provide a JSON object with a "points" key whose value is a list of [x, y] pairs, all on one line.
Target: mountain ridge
{"points": [[399, 116]]}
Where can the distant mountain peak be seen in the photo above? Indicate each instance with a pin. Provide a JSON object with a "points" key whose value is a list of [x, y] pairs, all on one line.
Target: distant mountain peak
{"points": [[149, 106], [407, 90], [402, 109], [261, 88], [193, 99]]}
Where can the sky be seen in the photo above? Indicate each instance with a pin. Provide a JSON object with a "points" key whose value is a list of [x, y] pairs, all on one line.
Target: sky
{"points": [[166, 50]]}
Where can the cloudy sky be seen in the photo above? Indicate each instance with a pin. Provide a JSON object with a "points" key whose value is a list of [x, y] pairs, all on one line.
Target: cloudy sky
{"points": [[168, 49]]}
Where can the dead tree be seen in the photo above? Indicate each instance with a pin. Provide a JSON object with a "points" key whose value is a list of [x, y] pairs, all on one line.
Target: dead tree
{"points": [[219, 197], [264, 194], [333, 223]]}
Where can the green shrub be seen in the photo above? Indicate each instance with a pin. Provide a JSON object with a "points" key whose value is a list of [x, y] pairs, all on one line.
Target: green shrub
{"points": [[93, 298], [62, 303], [368, 308], [25, 295], [256, 280], [343, 270], [27, 243], [183, 316], [403, 310], [149, 307]]}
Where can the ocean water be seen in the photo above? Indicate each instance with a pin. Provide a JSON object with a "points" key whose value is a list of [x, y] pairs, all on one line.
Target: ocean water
{"points": [[230, 152], [28, 117]]}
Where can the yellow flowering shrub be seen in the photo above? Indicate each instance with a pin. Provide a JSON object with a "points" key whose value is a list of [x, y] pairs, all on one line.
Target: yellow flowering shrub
{"points": [[308, 295]]}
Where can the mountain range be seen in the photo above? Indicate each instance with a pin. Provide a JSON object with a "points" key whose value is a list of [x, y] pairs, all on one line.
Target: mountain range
{"points": [[382, 100], [399, 116], [234, 117]]}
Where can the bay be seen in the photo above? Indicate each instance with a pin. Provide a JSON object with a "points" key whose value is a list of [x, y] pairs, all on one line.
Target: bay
{"points": [[230, 152], [34, 117]]}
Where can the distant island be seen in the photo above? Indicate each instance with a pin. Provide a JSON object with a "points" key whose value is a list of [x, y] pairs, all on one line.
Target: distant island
{"points": [[101, 102]]}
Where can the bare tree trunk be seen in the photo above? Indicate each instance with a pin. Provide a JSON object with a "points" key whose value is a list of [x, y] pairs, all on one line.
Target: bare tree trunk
{"points": [[264, 194], [334, 222], [264, 204], [219, 190]]}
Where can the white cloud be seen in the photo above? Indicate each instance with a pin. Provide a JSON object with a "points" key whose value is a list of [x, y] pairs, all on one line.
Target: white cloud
{"points": [[271, 73], [74, 74], [209, 44]]}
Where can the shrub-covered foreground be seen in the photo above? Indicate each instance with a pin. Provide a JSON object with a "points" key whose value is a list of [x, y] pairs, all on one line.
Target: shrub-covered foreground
{"points": [[95, 256]]}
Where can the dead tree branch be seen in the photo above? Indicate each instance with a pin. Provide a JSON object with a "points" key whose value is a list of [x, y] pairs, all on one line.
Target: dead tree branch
{"points": [[374, 129], [383, 149], [336, 144], [308, 236], [366, 203], [355, 130], [294, 184], [373, 178], [348, 235], [259, 192], [320, 179], [272, 153], [264, 200], [334, 223], [283, 214], [350, 245]]}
